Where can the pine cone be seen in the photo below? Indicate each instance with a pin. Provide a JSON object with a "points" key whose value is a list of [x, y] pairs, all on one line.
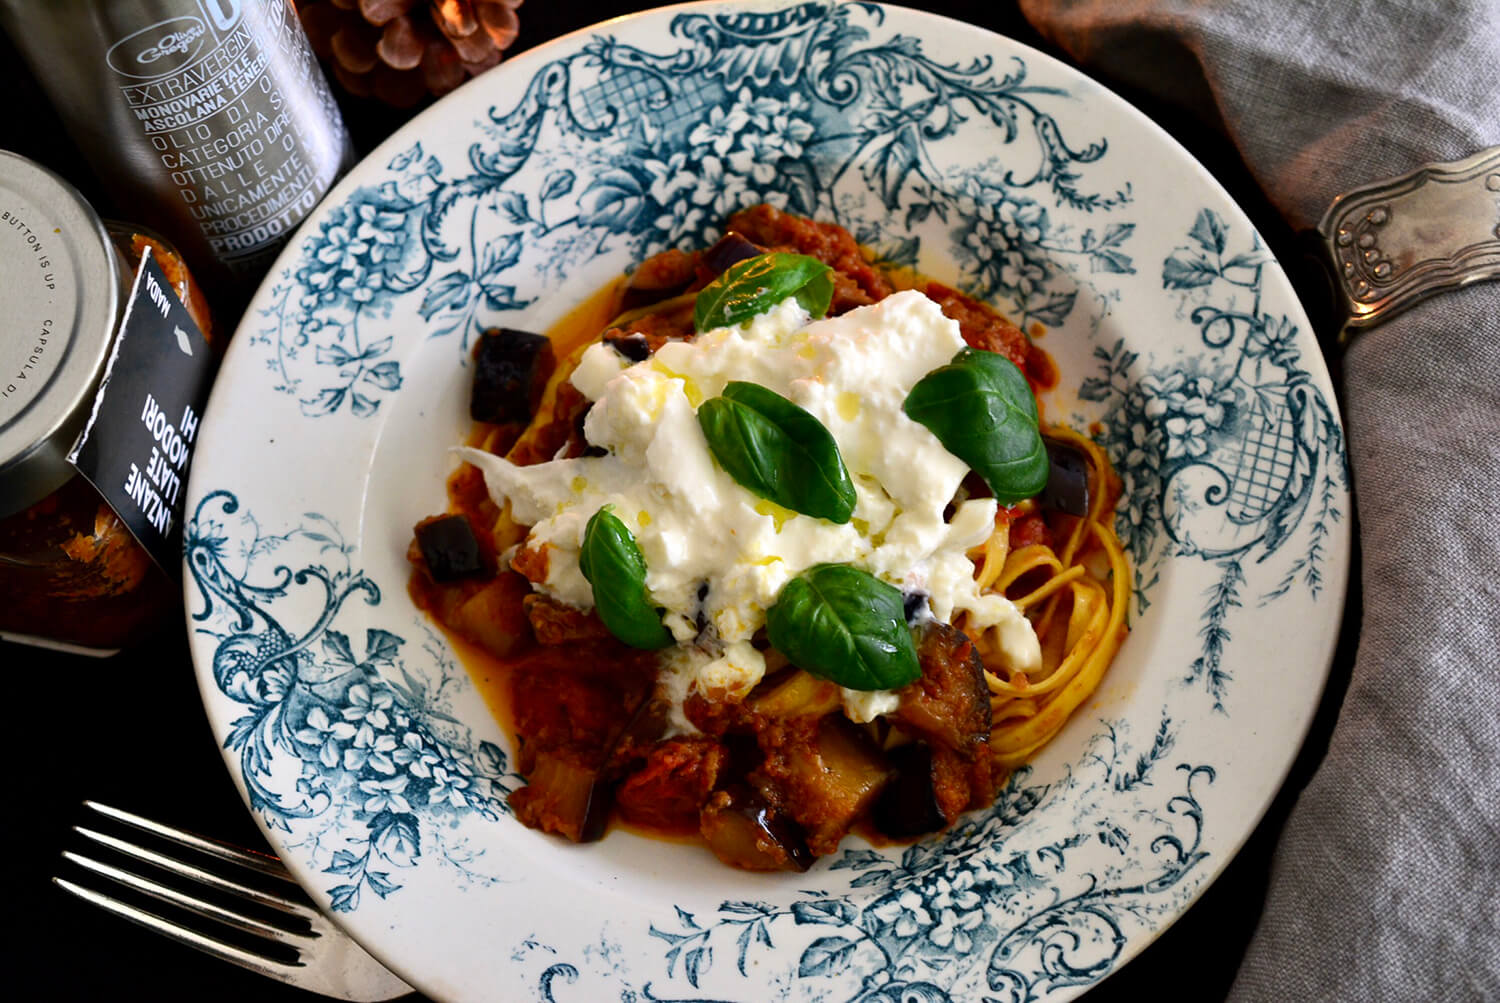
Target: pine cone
{"points": [[400, 51]]}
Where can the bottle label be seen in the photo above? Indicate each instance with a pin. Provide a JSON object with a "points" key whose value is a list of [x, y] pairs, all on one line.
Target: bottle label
{"points": [[138, 444], [232, 103]]}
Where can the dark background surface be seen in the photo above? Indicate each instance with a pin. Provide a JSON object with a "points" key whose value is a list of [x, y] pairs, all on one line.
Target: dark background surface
{"points": [[130, 730]]}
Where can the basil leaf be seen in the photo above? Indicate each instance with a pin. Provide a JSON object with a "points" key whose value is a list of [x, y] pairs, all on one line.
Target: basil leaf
{"points": [[776, 449], [981, 409], [756, 284], [611, 560], [846, 626]]}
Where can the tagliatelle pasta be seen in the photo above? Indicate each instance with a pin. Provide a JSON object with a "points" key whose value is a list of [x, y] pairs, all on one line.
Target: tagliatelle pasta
{"points": [[605, 510], [1027, 713]]}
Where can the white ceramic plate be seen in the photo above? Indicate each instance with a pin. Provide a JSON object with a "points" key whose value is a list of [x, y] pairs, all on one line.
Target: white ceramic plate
{"points": [[375, 767]]}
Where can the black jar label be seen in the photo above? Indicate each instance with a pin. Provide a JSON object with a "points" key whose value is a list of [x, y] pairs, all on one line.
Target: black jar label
{"points": [[138, 443]]}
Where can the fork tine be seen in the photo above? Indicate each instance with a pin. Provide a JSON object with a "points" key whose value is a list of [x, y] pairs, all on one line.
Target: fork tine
{"points": [[327, 961], [227, 952], [164, 893], [262, 863], [201, 876]]}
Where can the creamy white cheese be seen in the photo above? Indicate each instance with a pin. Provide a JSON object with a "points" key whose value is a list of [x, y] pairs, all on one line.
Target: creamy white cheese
{"points": [[866, 705], [695, 525]]}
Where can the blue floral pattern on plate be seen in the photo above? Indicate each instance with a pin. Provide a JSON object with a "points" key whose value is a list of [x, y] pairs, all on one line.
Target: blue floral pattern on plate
{"points": [[364, 747], [370, 759], [1224, 455], [787, 108], [374, 748]]}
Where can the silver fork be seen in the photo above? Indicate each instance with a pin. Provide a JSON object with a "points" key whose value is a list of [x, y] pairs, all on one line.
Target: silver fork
{"points": [[328, 961]]}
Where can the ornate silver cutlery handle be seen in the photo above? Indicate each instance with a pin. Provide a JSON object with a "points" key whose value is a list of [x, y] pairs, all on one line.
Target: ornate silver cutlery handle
{"points": [[1395, 242]]}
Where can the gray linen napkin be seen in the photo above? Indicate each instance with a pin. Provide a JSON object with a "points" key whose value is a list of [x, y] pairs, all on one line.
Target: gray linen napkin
{"points": [[1386, 881]]}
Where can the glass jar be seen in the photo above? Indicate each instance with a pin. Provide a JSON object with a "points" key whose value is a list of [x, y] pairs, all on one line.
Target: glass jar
{"points": [[71, 574]]}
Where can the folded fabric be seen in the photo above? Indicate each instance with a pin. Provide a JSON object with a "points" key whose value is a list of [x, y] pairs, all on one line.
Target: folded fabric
{"points": [[1386, 881]]}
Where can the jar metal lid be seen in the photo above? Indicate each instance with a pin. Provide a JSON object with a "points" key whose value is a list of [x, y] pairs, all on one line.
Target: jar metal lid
{"points": [[61, 292]]}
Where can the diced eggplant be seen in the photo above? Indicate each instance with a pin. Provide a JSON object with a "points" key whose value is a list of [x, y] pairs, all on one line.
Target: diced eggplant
{"points": [[659, 278], [825, 773], [909, 804], [1067, 487], [916, 607], [964, 783], [634, 347], [449, 548], [745, 832], [950, 704], [731, 249], [564, 797], [639, 735], [554, 622], [855, 764], [742, 754], [493, 616], [853, 774], [510, 369]]}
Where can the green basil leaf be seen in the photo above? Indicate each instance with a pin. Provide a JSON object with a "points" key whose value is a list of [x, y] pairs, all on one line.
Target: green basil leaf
{"points": [[981, 409], [612, 562], [846, 626], [776, 449], [756, 284]]}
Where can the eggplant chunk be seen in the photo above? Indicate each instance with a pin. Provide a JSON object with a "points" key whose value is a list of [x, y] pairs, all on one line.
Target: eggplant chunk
{"points": [[579, 732], [555, 622], [639, 736], [492, 616], [634, 347], [731, 249], [660, 277], [450, 550], [950, 705], [745, 832], [564, 797], [909, 804], [826, 774], [510, 369], [1067, 487]]}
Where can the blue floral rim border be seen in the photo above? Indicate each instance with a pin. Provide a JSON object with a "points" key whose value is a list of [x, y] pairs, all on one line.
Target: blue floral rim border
{"points": [[348, 745]]}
